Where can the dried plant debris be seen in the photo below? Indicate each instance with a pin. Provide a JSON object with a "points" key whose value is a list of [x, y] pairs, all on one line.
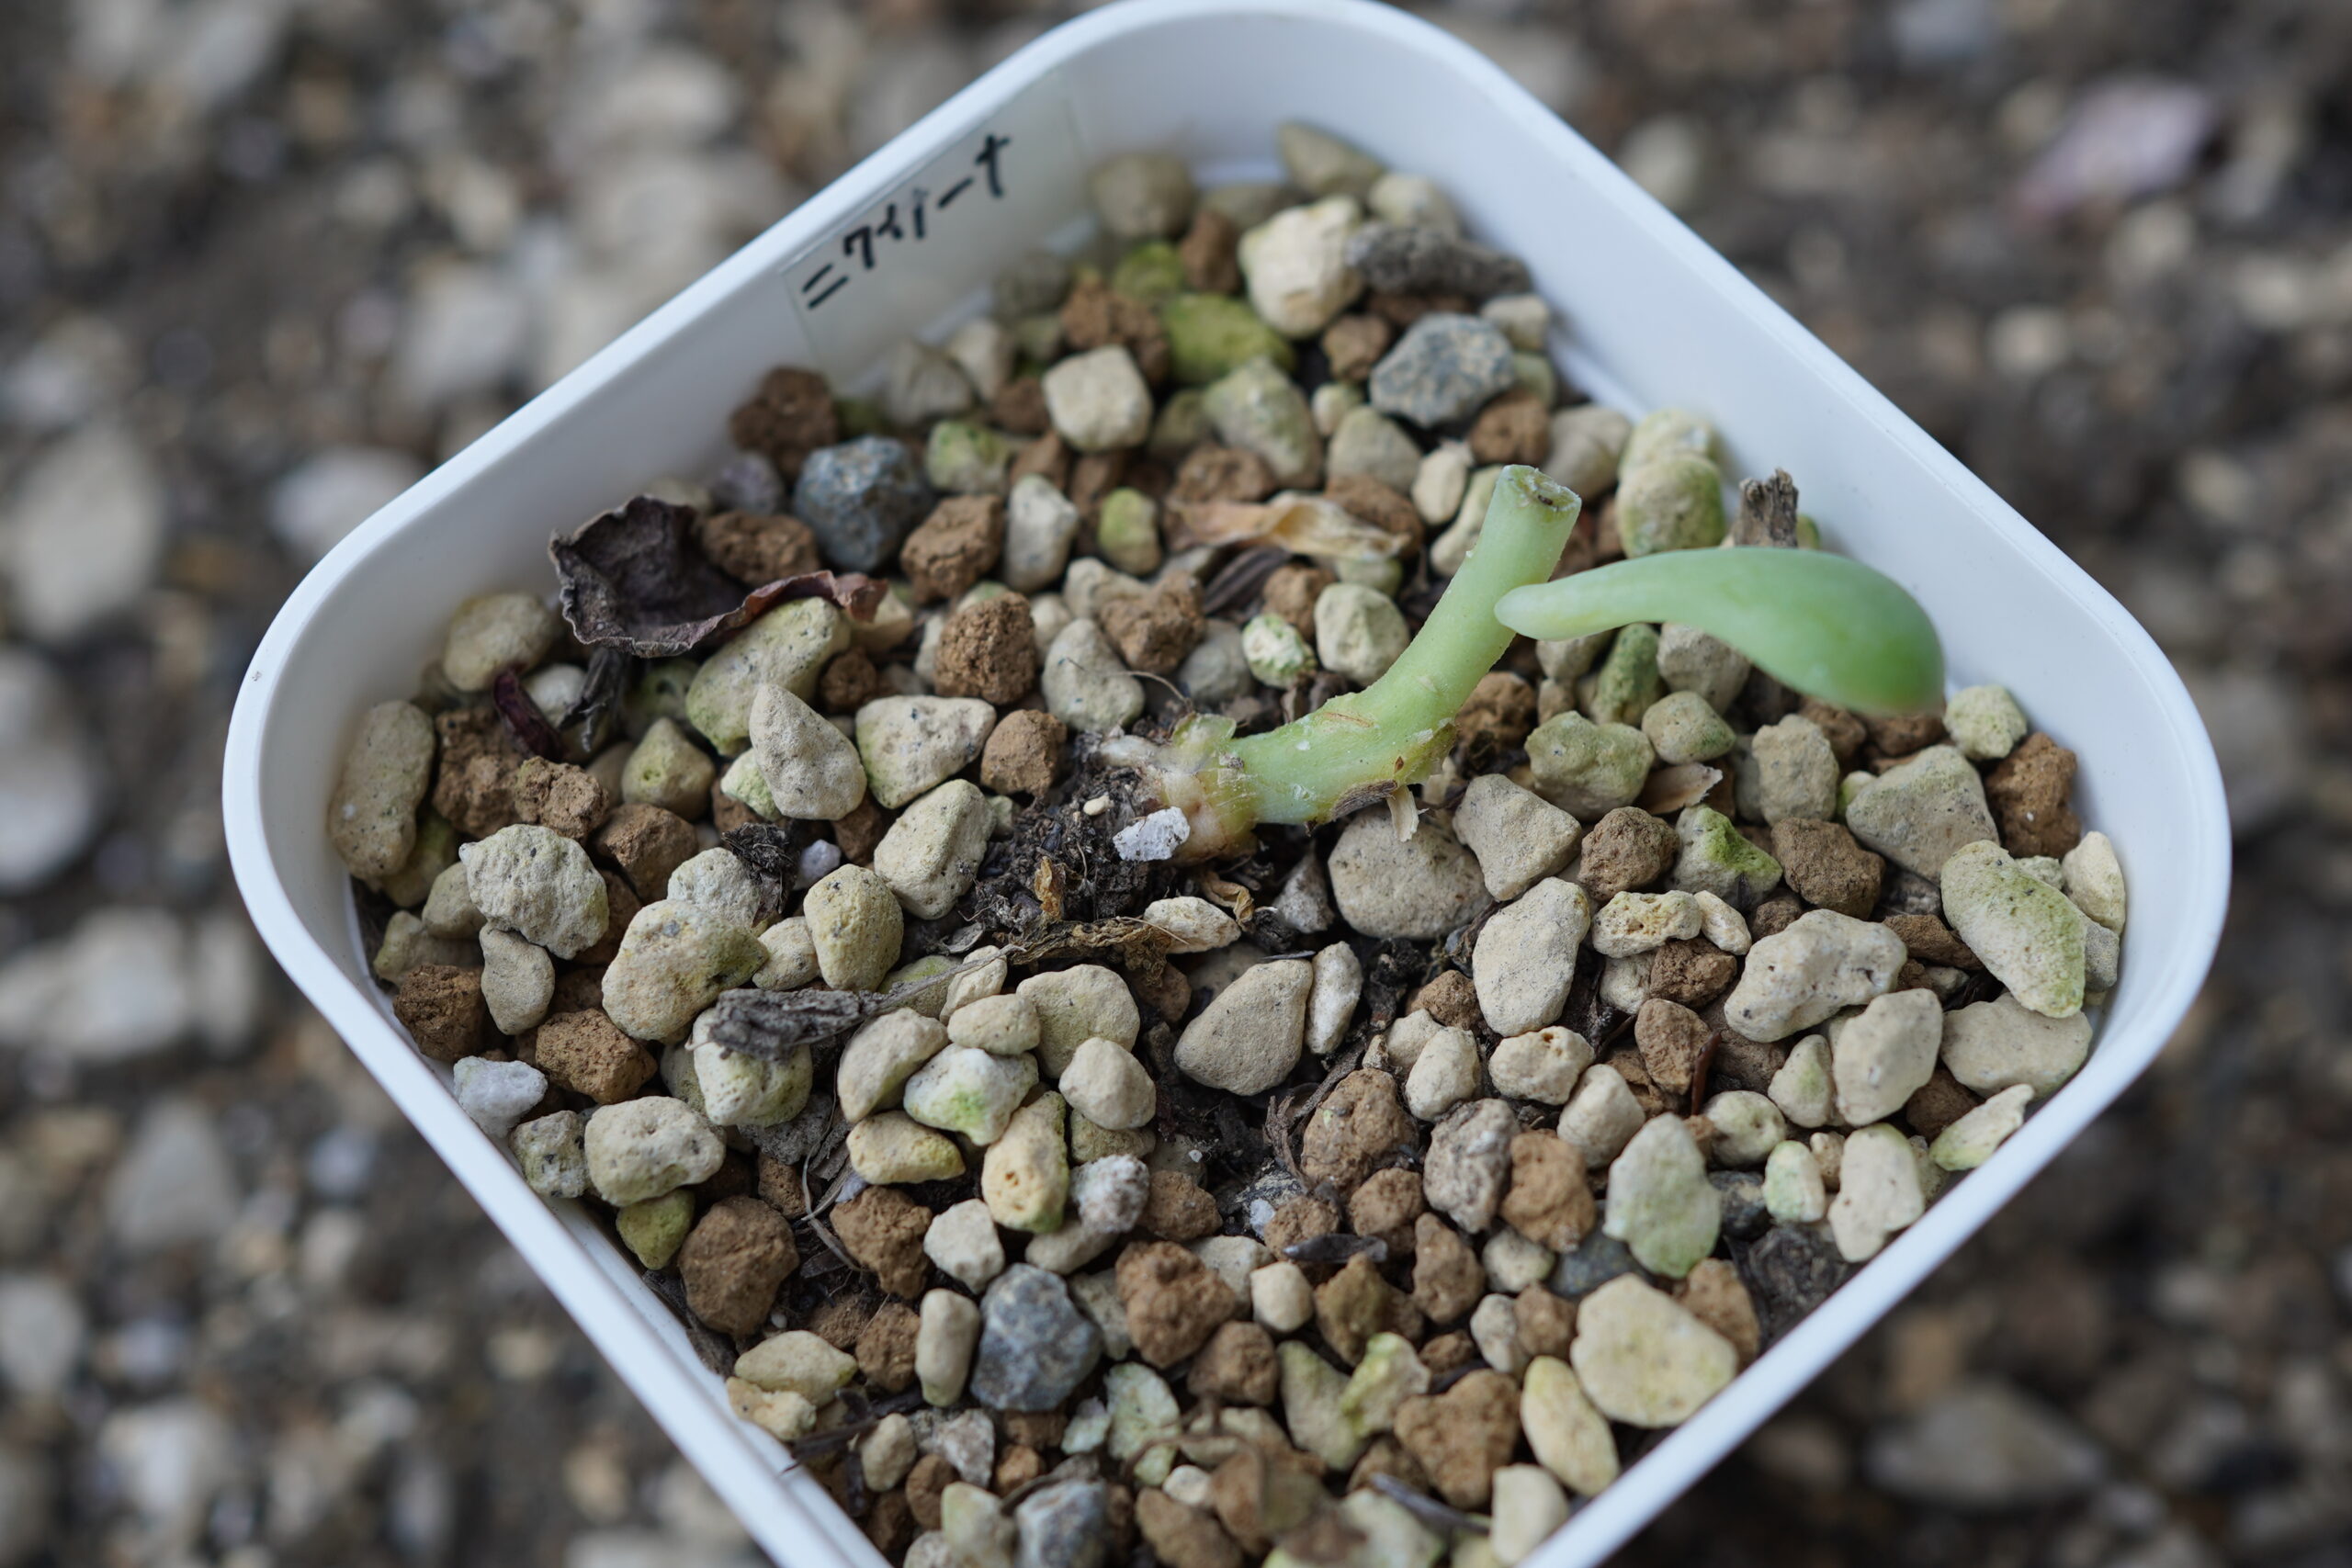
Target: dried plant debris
{"points": [[633, 579], [1043, 1177], [636, 579], [526, 726]]}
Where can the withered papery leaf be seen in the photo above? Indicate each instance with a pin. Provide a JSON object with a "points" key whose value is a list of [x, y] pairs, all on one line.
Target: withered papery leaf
{"points": [[772, 1024], [636, 579], [1303, 525]]}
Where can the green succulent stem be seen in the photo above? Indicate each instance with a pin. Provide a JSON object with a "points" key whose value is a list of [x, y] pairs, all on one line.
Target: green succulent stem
{"points": [[1822, 625], [1363, 746]]}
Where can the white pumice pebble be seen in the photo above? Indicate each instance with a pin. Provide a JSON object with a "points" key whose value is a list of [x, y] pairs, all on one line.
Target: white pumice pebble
{"points": [[537, 884], [1525, 319], [1154, 837], [1528, 1507], [675, 960], [943, 1344], [1296, 267], [1804, 1088], [1086, 684], [1970, 1141], [1280, 1297], [1723, 926], [496, 631], [1985, 722], [718, 880], [517, 981], [1098, 401], [1197, 925], [2094, 880], [1513, 1263], [553, 1157], [450, 909], [1000, 1026], [1793, 1193], [1526, 956], [812, 769], [1633, 923], [1802, 976], [1494, 1328], [1602, 1116], [1438, 485], [1748, 1127], [1444, 1074], [963, 1241], [888, 1452], [1990, 1046], [969, 1092], [1540, 1065], [1517, 837], [1625, 982], [1337, 984], [1878, 1191], [1883, 1056], [1106, 1085], [1829, 1156], [791, 956], [1189, 1485], [498, 1094], [1359, 632]]}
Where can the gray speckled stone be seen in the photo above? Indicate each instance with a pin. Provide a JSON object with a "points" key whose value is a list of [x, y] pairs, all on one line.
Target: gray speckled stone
{"points": [[1416, 888], [1036, 1346], [1420, 260], [1918, 813], [1067, 1525], [1443, 371], [860, 499], [1469, 1163], [1598, 1259]]}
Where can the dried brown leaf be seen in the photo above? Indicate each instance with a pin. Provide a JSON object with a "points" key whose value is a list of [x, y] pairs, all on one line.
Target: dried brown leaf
{"points": [[1668, 790], [1303, 525], [635, 580]]}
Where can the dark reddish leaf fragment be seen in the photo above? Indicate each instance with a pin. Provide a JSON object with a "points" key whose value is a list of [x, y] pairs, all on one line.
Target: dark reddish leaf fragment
{"points": [[855, 594], [525, 722]]}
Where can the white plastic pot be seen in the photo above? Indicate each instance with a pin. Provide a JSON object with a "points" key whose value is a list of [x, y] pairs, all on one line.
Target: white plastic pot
{"points": [[1650, 316]]}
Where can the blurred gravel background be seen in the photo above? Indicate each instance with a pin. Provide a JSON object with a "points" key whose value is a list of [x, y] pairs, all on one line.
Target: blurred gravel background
{"points": [[264, 262]]}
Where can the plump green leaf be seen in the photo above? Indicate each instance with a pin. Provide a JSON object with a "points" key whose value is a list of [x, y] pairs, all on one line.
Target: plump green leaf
{"points": [[1822, 625]]}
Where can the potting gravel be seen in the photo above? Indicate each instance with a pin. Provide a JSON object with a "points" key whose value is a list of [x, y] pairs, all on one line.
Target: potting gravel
{"points": [[1048, 1189]]}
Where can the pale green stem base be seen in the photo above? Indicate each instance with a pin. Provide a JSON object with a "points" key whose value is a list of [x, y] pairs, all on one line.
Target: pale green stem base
{"points": [[1359, 748]]}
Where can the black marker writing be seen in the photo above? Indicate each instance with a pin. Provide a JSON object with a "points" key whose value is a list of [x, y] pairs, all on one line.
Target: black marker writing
{"points": [[858, 244]]}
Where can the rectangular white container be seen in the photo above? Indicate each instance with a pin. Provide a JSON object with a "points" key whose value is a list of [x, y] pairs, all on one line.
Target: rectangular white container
{"points": [[1650, 316]]}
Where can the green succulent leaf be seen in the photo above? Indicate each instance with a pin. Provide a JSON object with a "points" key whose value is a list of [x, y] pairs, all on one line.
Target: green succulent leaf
{"points": [[1822, 625]]}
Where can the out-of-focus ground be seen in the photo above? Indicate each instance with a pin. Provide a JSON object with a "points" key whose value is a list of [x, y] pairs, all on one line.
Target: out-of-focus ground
{"points": [[264, 262]]}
